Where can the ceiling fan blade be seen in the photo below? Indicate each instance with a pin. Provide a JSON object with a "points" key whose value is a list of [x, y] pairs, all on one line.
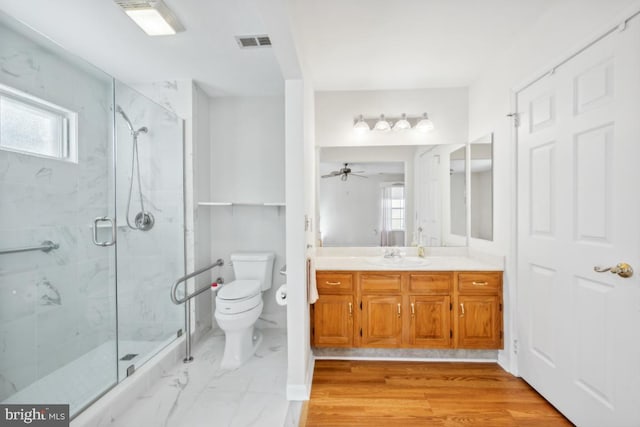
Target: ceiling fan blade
{"points": [[330, 175]]}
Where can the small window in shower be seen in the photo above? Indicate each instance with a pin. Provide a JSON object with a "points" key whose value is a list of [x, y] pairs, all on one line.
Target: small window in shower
{"points": [[33, 126]]}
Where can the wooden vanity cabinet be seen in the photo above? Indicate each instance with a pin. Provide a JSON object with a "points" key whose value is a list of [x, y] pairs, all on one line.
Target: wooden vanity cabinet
{"points": [[420, 309], [332, 315], [478, 310]]}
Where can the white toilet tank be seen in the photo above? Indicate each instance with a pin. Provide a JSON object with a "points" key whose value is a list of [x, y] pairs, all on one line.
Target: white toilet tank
{"points": [[255, 266]]}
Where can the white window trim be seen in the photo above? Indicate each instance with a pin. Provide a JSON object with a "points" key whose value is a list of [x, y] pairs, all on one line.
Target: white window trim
{"points": [[70, 124]]}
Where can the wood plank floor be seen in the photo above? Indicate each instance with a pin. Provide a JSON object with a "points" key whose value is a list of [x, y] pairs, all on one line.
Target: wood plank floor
{"points": [[365, 393]]}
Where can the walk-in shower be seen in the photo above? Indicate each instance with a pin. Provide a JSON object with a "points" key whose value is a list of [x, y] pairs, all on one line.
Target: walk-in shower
{"points": [[83, 294], [144, 220]]}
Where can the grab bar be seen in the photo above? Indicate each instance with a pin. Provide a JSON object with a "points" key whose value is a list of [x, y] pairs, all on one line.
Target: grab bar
{"points": [[174, 288], [187, 299], [46, 246]]}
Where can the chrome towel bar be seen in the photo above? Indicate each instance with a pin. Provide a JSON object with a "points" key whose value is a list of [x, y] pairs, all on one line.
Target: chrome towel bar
{"points": [[46, 246]]}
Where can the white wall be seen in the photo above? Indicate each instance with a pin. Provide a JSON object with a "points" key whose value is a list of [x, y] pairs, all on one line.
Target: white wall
{"points": [[247, 165], [336, 110], [565, 27]]}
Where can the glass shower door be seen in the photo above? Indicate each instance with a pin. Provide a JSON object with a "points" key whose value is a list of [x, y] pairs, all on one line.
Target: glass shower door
{"points": [[57, 287], [150, 254]]}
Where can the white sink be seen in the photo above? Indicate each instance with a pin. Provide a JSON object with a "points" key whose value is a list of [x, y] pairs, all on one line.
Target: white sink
{"points": [[408, 261]]}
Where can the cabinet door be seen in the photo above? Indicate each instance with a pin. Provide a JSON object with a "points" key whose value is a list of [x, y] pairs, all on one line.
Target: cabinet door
{"points": [[333, 321], [430, 320], [381, 321], [479, 320]]}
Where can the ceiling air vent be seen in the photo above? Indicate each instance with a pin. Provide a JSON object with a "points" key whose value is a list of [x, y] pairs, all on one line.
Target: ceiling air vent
{"points": [[253, 41]]}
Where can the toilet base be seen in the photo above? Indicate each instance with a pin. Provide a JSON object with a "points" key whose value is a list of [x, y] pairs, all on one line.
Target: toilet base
{"points": [[240, 346]]}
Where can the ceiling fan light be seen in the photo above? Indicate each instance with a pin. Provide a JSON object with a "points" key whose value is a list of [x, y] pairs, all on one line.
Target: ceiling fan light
{"points": [[402, 124], [382, 125], [361, 126], [425, 124]]}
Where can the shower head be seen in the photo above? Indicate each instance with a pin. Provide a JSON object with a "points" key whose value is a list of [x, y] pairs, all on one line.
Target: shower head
{"points": [[129, 125]]}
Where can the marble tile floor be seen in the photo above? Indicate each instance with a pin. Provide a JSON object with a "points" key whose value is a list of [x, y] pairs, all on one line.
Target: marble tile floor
{"points": [[202, 394]]}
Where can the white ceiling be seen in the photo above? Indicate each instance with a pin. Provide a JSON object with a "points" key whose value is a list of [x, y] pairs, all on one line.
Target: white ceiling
{"points": [[100, 32], [345, 44], [406, 44]]}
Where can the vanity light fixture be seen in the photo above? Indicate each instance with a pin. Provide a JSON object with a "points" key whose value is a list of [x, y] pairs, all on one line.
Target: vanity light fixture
{"points": [[153, 16], [422, 123], [402, 124], [425, 124], [382, 125]]}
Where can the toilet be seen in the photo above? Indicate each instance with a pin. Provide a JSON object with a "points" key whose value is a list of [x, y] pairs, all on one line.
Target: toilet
{"points": [[239, 304]]}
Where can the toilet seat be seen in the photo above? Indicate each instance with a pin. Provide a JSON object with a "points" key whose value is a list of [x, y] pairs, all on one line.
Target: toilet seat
{"points": [[238, 296], [239, 290]]}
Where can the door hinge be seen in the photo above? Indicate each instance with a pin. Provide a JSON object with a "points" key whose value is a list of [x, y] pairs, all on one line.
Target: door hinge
{"points": [[500, 334], [500, 307], [360, 331], [516, 119], [360, 305], [515, 346], [450, 333], [450, 306]]}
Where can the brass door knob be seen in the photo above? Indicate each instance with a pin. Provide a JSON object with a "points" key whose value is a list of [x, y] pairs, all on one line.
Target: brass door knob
{"points": [[622, 269]]}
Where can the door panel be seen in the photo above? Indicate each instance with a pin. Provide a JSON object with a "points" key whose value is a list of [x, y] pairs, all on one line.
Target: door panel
{"points": [[381, 320], [578, 207], [430, 321], [333, 321]]}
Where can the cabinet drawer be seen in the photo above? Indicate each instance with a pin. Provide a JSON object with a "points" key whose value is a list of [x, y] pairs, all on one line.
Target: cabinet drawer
{"points": [[380, 282], [334, 282], [430, 283], [485, 282]]}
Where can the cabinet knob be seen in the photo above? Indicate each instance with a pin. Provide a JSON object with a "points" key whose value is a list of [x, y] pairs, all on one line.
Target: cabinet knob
{"points": [[462, 308], [399, 310], [350, 309], [474, 283], [333, 283], [413, 309]]}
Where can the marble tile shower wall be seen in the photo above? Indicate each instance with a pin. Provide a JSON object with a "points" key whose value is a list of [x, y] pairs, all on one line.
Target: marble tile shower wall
{"points": [[149, 261], [56, 306]]}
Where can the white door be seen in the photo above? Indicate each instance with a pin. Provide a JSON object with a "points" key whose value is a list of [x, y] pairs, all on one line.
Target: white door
{"points": [[578, 207]]}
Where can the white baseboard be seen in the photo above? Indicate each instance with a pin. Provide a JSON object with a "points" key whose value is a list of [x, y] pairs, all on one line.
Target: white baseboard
{"points": [[302, 391]]}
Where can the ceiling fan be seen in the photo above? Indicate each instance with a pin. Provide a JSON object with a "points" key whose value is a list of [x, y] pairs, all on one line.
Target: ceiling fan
{"points": [[344, 173]]}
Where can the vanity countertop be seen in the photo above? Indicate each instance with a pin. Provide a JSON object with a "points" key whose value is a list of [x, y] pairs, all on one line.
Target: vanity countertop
{"points": [[409, 263]]}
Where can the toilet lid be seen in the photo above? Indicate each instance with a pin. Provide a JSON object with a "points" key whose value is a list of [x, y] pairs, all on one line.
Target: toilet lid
{"points": [[239, 289]]}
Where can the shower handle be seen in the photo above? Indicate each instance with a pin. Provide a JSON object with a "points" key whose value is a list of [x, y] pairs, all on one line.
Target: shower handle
{"points": [[98, 220]]}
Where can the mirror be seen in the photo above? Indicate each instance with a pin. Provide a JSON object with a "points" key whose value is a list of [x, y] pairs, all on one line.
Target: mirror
{"points": [[362, 203], [481, 165], [457, 191], [404, 197]]}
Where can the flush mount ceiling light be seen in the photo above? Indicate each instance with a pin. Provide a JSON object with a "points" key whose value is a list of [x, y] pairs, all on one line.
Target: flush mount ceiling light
{"points": [[382, 125], [153, 16], [402, 124], [425, 125], [361, 124]]}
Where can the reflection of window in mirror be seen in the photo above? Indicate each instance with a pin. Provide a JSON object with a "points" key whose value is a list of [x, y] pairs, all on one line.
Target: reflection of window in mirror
{"points": [[481, 166], [393, 215], [458, 202]]}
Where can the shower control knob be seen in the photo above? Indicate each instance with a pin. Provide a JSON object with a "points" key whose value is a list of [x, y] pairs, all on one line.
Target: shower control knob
{"points": [[144, 221]]}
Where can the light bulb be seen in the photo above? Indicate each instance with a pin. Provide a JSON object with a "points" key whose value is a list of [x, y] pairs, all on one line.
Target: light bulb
{"points": [[425, 125], [382, 125], [361, 126], [402, 124]]}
